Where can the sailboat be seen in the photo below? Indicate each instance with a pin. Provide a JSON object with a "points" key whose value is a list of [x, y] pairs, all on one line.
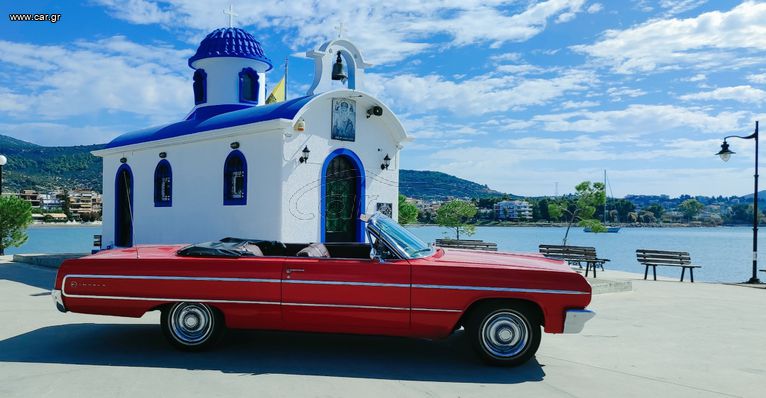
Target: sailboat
{"points": [[611, 230]]}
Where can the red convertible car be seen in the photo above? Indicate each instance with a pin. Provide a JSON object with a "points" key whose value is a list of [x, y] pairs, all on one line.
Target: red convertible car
{"points": [[396, 285]]}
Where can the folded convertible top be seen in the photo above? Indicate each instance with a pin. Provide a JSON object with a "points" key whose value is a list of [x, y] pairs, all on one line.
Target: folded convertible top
{"points": [[232, 247]]}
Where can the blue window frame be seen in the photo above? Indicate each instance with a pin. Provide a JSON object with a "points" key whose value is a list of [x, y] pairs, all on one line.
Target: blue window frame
{"points": [[248, 86], [235, 179], [200, 87], [163, 184]]}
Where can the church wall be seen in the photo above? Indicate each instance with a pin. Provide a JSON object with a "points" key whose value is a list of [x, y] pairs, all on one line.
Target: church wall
{"points": [[197, 212], [302, 187]]}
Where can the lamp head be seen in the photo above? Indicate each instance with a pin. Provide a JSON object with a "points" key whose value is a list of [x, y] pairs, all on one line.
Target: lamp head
{"points": [[3, 160], [725, 153]]}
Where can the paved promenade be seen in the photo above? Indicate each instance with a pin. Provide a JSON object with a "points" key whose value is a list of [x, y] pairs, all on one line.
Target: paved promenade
{"points": [[663, 339]]}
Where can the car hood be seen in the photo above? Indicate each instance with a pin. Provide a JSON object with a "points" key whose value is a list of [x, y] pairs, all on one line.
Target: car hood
{"points": [[487, 259]]}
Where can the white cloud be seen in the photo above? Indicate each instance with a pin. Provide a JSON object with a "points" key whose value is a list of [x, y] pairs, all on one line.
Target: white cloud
{"points": [[532, 166], [51, 133], [673, 7], [85, 78], [696, 78], [759, 78], [484, 94], [594, 8], [645, 119], [702, 42], [618, 92], [737, 93], [579, 104], [390, 31]]}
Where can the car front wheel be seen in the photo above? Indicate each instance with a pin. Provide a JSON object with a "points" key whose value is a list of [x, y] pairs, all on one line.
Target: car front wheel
{"points": [[504, 335], [191, 326]]}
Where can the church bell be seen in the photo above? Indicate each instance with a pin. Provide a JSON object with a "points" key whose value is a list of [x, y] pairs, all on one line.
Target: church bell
{"points": [[338, 72]]}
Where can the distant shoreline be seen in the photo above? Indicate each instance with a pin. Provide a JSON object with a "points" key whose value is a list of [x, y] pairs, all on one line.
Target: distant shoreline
{"points": [[65, 225], [575, 226]]}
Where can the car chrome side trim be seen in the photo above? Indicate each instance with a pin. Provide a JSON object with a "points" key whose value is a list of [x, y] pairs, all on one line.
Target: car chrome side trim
{"points": [[435, 310], [174, 300], [368, 307], [375, 284], [173, 278], [499, 289]]}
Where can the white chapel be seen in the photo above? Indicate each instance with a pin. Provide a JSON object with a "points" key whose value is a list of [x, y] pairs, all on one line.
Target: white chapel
{"points": [[301, 170]]}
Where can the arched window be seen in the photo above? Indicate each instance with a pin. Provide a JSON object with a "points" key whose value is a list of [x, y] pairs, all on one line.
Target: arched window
{"points": [[200, 86], [163, 184], [235, 179], [248, 85]]}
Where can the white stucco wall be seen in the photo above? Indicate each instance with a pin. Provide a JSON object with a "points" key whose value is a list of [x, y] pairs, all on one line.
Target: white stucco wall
{"points": [[197, 212], [302, 188]]}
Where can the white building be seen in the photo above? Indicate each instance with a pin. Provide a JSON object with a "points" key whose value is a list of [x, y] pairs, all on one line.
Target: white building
{"points": [[302, 170], [513, 210]]}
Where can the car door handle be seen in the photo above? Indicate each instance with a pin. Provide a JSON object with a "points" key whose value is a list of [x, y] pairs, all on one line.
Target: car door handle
{"points": [[291, 270]]}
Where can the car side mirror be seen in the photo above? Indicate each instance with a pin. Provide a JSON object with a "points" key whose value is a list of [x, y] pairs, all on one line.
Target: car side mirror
{"points": [[377, 258]]}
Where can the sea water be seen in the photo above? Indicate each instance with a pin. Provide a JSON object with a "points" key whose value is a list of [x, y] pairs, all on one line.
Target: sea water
{"points": [[725, 253]]}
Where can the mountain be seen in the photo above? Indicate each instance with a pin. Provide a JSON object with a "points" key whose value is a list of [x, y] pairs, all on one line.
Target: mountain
{"points": [[434, 185], [32, 166]]}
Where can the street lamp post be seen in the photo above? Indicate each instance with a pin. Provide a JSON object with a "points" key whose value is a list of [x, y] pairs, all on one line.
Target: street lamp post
{"points": [[3, 161], [725, 154]]}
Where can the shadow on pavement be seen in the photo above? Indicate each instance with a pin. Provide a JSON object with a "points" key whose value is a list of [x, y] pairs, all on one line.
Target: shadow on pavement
{"points": [[258, 353], [31, 275]]}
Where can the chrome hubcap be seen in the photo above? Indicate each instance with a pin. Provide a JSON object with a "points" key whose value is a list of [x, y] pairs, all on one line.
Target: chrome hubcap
{"points": [[505, 334], [191, 323]]}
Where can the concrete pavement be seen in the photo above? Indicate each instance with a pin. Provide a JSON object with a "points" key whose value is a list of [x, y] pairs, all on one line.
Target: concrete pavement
{"points": [[665, 339]]}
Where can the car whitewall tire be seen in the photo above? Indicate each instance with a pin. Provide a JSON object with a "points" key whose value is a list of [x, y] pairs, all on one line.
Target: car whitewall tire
{"points": [[504, 335], [191, 326]]}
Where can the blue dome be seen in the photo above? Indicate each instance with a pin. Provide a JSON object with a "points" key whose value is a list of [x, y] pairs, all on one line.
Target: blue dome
{"points": [[230, 42]]}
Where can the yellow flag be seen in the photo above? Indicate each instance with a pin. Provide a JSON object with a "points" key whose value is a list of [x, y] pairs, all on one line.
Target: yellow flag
{"points": [[278, 93]]}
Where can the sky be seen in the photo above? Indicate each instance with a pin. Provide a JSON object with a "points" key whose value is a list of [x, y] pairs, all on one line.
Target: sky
{"points": [[524, 96]]}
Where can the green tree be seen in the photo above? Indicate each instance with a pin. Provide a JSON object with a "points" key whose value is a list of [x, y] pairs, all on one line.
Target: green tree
{"points": [[15, 217], [741, 213], [690, 208], [408, 213], [624, 208], [587, 199], [456, 214], [647, 217], [657, 209]]}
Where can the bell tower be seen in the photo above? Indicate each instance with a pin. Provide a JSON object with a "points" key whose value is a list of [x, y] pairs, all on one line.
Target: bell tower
{"points": [[337, 59]]}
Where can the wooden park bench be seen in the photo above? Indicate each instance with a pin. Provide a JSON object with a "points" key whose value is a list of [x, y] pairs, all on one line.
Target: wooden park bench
{"points": [[575, 255], [470, 244], [662, 258]]}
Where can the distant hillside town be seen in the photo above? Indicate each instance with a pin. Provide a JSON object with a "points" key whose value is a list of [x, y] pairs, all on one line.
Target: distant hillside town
{"points": [[61, 206]]}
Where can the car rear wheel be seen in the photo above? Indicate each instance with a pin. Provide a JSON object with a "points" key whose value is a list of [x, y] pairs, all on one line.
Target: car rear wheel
{"points": [[191, 326], [504, 335]]}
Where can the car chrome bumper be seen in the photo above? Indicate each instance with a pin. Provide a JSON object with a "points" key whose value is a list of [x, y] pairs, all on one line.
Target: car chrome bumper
{"points": [[574, 320], [58, 299]]}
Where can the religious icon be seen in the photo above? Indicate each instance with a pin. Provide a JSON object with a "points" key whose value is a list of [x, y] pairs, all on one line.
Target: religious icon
{"points": [[343, 119], [386, 208]]}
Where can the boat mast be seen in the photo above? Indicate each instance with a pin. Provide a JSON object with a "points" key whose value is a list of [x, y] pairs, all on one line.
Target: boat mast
{"points": [[605, 198]]}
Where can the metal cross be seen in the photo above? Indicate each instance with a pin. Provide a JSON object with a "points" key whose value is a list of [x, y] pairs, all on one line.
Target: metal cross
{"points": [[231, 14], [340, 30]]}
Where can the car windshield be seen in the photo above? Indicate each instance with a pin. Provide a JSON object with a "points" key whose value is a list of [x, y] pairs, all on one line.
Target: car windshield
{"points": [[401, 238]]}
